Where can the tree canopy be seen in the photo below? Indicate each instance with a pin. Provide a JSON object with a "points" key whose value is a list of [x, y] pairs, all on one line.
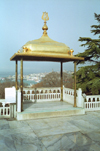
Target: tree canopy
{"points": [[88, 77]]}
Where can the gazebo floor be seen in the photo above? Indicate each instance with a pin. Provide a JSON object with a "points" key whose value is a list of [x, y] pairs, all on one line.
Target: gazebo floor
{"points": [[48, 109]]}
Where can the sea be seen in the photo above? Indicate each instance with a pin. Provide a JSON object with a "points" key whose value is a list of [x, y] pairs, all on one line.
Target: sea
{"points": [[5, 75]]}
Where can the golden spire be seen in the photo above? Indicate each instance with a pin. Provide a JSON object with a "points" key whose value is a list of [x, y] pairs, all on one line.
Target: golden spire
{"points": [[45, 17]]}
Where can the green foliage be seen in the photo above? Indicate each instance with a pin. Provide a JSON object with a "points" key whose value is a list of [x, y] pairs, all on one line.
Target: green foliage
{"points": [[88, 77]]}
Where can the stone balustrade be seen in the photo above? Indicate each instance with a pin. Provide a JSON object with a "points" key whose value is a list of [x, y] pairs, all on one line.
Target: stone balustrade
{"points": [[92, 102], [4, 110], [42, 94], [68, 96]]}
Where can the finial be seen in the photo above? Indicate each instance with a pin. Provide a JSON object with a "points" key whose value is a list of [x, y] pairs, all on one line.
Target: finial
{"points": [[71, 51], [45, 17]]}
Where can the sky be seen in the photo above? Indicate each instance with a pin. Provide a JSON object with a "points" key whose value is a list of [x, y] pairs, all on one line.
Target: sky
{"points": [[20, 22]]}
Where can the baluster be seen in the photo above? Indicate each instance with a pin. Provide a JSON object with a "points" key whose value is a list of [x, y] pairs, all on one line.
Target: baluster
{"points": [[6, 111], [96, 105], [9, 111], [89, 105], [49, 95], [3, 109]]}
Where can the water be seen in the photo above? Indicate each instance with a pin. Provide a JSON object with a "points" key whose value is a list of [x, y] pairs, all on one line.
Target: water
{"points": [[7, 74], [24, 81]]}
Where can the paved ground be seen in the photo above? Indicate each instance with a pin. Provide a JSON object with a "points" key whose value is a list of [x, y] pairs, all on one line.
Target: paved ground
{"points": [[74, 133]]}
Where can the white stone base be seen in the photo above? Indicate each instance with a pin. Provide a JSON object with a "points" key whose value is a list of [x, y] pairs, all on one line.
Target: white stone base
{"points": [[46, 110]]}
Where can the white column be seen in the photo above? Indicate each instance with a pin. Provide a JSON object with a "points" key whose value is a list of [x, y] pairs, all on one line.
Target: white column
{"points": [[19, 102], [80, 99]]}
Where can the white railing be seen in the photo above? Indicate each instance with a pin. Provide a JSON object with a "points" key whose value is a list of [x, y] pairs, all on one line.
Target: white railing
{"points": [[68, 95], [92, 102], [42, 94], [4, 111]]}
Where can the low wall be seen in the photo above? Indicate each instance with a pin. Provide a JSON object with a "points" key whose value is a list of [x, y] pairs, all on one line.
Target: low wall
{"points": [[5, 111], [68, 96], [42, 94], [92, 102]]}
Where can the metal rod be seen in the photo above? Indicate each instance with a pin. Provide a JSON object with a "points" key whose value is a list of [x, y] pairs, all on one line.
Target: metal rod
{"points": [[16, 82], [75, 84], [61, 81], [21, 78]]}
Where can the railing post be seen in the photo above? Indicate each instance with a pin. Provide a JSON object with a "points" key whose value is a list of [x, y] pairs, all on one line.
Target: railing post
{"points": [[75, 84], [35, 95], [3, 104], [16, 83], [19, 102], [21, 78], [80, 99], [61, 81]]}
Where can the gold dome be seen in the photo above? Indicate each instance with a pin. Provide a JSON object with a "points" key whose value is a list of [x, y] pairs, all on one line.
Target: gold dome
{"points": [[45, 49], [45, 44]]}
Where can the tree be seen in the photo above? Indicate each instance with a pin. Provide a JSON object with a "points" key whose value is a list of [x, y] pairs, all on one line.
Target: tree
{"points": [[53, 79], [88, 77]]}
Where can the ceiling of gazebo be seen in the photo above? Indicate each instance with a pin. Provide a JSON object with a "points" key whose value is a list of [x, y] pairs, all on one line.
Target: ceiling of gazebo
{"points": [[45, 49]]}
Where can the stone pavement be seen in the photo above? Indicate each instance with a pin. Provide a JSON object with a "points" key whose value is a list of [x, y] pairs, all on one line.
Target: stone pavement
{"points": [[74, 133]]}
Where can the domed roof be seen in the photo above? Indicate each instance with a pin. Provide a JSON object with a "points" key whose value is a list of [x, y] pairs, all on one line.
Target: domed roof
{"points": [[45, 49], [45, 44]]}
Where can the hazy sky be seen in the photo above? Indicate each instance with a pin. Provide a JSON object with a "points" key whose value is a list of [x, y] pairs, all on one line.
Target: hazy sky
{"points": [[20, 21]]}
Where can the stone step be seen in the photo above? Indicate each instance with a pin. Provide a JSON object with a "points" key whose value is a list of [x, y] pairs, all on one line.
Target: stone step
{"points": [[29, 114]]}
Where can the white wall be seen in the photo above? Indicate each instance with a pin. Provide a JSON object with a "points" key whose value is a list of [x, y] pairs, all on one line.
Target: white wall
{"points": [[10, 94]]}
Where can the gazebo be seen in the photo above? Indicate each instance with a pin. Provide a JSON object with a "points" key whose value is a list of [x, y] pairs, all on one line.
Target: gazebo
{"points": [[44, 49]]}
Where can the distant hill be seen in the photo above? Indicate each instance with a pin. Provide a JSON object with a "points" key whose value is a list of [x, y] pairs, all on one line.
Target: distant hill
{"points": [[53, 79]]}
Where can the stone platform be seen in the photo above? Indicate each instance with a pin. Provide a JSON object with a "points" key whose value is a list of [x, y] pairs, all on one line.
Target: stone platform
{"points": [[73, 133], [48, 109]]}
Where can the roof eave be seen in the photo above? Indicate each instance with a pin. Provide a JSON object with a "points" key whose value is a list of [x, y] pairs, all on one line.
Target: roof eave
{"points": [[44, 57]]}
